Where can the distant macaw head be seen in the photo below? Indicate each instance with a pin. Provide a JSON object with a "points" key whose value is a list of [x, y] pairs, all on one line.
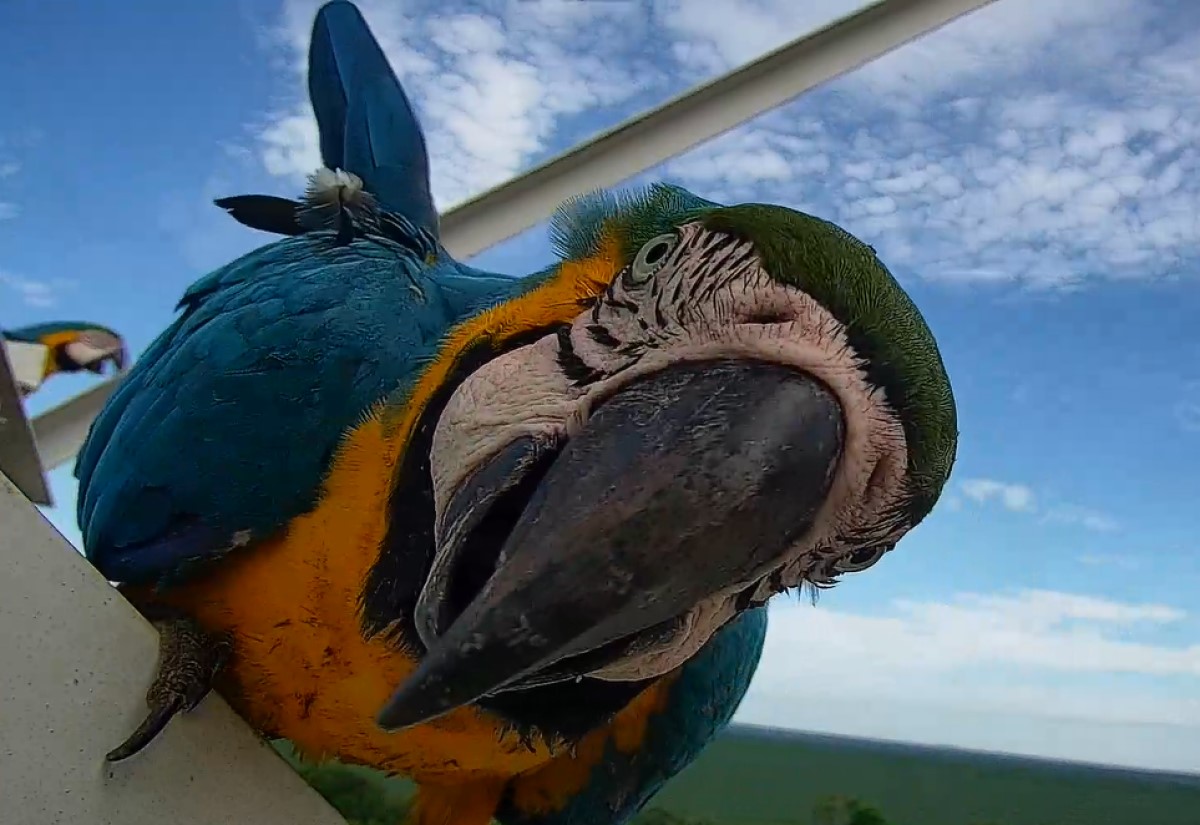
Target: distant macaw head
{"points": [[751, 404], [74, 346]]}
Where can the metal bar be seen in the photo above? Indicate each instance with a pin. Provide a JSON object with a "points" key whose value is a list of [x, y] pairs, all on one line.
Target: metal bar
{"points": [[19, 458], [28, 364], [694, 117], [60, 431], [77, 662]]}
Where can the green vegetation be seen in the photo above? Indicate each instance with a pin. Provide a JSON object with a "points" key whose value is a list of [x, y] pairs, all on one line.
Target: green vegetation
{"points": [[365, 800], [756, 778], [359, 797], [750, 777]]}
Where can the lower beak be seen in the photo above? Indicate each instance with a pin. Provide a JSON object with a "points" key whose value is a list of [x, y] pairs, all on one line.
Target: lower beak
{"points": [[682, 485]]}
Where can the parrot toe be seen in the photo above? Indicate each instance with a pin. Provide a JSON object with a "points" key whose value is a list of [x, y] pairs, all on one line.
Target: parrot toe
{"points": [[189, 660]]}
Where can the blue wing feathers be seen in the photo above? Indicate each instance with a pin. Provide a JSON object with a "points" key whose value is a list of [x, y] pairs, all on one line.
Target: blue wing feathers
{"points": [[228, 421], [367, 124]]}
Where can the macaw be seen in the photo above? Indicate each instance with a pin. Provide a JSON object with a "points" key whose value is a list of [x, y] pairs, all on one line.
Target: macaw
{"points": [[69, 346], [512, 538]]}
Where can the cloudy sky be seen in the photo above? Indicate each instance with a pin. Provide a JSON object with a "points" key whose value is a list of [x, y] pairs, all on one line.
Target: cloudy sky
{"points": [[1030, 173]]}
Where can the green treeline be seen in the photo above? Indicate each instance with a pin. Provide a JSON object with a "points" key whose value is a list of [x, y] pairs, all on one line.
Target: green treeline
{"points": [[363, 800]]}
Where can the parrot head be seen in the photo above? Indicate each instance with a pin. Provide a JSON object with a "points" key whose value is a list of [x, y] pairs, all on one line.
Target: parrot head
{"points": [[752, 403], [75, 346]]}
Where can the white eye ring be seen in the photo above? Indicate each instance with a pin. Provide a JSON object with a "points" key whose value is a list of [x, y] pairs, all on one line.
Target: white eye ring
{"points": [[860, 559], [650, 259]]}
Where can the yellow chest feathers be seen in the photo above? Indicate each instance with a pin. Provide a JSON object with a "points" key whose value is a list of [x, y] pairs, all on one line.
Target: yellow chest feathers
{"points": [[303, 671], [302, 668]]}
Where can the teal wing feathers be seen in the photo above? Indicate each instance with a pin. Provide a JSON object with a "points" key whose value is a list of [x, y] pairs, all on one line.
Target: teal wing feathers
{"points": [[224, 428], [700, 706]]}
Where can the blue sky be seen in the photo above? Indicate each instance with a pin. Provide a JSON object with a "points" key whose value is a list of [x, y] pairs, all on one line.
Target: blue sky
{"points": [[1030, 173]]}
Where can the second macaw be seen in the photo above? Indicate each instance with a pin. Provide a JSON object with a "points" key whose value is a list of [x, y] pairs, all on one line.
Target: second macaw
{"points": [[70, 346], [511, 538]]}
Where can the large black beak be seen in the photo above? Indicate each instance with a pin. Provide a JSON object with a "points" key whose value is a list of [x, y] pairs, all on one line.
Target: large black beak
{"points": [[684, 483]]}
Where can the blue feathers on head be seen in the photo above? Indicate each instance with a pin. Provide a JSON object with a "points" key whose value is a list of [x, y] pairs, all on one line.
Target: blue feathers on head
{"points": [[578, 227]]}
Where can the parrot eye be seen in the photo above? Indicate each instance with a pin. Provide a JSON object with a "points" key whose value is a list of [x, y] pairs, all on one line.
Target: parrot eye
{"points": [[649, 259], [861, 559]]}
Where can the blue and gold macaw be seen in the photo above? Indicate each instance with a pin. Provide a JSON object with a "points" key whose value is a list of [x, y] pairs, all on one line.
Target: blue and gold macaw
{"points": [[511, 538], [71, 346]]}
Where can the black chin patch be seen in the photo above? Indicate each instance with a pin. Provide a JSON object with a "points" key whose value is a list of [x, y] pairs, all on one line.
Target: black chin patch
{"points": [[565, 711]]}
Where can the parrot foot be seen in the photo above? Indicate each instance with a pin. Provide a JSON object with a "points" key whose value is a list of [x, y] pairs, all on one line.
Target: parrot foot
{"points": [[188, 660]]}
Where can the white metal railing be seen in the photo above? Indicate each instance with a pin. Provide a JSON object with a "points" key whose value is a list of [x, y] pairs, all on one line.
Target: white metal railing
{"points": [[77, 658]]}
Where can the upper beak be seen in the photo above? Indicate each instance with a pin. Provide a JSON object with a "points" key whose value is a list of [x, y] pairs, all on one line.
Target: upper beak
{"points": [[683, 484]]}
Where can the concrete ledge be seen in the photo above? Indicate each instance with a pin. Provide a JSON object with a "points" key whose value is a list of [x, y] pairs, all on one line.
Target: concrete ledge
{"points": [[75, 661], [28, 362], [19, 458]]}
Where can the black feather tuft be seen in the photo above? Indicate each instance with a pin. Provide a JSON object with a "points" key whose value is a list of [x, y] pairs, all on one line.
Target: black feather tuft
{"points": [[266, 213]]}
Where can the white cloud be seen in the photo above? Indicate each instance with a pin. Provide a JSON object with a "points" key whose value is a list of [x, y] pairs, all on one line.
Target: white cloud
{"points": [[1042, 142], [1187, 408], [1001, 39], [33, 292], [1037, 654], [1020, 498], [1044, 630], [1083, 517], [8, 209], [1016, 497], [1109, 560], [491, 85], [706, 42]]}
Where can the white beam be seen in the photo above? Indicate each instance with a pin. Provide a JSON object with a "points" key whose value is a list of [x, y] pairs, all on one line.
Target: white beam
{"points": [[693, 118], [77, 660], [28, 364], [60, 431], [18, 451]]}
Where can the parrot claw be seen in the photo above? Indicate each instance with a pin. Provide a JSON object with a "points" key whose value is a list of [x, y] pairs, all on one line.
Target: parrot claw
{"points": [[188, 661]]}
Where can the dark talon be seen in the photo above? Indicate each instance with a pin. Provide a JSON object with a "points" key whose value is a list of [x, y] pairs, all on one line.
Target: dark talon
{"points": [[188, 660]]}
